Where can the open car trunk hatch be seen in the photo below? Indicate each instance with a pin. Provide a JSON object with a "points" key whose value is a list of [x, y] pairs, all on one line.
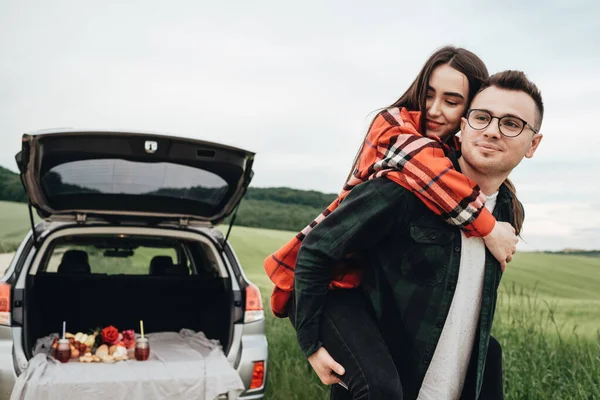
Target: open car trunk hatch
{"points": [[97, 280], [123, 174]]}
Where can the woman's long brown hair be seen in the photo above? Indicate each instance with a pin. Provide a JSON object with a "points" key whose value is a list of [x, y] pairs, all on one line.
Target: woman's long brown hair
{"points": [[518, 214], [415, 97]]}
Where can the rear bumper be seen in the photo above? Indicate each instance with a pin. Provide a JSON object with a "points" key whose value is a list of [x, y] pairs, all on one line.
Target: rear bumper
{"points": [[7, 380], [254, 348], [7, 369]]}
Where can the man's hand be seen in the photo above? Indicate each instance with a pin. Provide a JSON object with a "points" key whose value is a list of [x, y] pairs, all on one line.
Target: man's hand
{"points": [[325, 366], [502, 243]]}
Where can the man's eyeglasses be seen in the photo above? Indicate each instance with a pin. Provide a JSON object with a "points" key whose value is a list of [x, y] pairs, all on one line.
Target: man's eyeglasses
{"points": [[508, 125]]}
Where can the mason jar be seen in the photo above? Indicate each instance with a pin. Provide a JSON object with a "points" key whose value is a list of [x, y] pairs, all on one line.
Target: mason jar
{"points": [[63, 350], [142, 349]]}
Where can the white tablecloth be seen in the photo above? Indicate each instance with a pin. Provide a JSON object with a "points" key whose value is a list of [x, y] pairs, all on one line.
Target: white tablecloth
{"points": [[184, 365]]}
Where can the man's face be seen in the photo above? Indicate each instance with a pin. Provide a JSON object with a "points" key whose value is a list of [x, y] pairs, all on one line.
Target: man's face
{"points": [[487, 150]]}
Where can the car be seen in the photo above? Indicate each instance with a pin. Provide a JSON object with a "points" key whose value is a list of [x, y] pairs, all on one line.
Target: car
{"points": [[130, 230]]}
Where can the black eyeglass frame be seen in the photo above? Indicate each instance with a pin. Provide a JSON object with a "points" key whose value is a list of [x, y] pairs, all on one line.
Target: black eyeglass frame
{"points": [[525, 123]]}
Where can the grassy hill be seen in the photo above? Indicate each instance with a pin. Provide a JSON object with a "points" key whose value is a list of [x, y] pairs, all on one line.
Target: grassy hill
{"points": [[275, 208], [14, 224], [547, 321], [569, 285], [570, 278]]}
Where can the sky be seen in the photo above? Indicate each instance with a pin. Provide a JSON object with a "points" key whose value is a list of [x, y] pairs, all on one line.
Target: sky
{"points": [[298, 83]]}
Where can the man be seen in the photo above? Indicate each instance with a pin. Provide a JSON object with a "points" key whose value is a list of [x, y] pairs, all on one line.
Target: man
{"points": [[433, 291]]}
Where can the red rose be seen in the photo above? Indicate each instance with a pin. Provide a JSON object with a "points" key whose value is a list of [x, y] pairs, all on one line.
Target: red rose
{"points": [[129, 338], [110, 335]]}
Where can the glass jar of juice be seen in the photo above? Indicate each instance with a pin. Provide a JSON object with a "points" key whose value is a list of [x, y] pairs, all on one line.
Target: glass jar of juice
{"points": [[142, 349], [63, 350]]}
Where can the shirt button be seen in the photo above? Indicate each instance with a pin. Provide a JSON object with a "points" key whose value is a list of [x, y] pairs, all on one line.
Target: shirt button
{"points": [[425, 362], [457, 249], [452, 287], [432, 236], [440, 324]]}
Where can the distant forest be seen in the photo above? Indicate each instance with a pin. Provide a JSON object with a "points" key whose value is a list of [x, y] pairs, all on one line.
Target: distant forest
{"points": [[10, 187], [273, 208]]}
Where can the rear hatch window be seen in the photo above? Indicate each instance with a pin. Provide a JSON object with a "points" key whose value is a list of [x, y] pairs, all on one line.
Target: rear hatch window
{"points": [[79, 184]]}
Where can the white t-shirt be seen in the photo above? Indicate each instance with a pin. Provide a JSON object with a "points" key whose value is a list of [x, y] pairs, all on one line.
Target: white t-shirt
{"points": [[446, 373]]}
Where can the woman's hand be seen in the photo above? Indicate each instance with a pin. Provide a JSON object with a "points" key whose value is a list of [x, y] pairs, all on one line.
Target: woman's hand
{"points": [[502, 243], [325, 366]]}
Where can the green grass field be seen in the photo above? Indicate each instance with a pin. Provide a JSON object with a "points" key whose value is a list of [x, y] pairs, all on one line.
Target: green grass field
{"points": [[14, 224], [548, 319]]}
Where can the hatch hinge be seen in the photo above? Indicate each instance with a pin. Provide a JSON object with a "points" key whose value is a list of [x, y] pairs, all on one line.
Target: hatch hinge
{"points": [[81, 218]]}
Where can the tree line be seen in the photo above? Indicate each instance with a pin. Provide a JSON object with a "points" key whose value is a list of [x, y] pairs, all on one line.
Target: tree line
{"points": [[10, 187], [278, 208], [273, 208]]}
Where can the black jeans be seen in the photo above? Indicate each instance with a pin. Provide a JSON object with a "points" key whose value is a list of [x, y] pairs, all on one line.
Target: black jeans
{"points": [[350, 334], [492, 388]]}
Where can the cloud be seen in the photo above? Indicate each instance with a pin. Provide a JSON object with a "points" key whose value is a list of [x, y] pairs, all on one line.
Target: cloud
{"points": [[561, 225], [297, 82]]}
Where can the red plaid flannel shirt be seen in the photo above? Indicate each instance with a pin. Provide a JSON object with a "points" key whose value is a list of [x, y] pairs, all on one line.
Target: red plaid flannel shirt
{"points": [[394, 149]]}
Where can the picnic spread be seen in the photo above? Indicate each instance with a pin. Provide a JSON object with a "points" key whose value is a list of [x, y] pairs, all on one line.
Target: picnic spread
{"points": [[108, 364]]}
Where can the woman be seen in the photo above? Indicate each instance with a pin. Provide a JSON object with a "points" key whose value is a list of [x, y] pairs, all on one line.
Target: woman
{"points": [[394, 148]]}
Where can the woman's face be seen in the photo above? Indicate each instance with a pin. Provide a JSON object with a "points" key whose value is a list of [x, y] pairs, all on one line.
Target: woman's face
{"points": [[447, 98]]}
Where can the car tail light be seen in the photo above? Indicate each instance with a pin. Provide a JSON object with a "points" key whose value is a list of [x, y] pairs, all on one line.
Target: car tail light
{"points": [[258, 375], [254, 306], [4, 303]]}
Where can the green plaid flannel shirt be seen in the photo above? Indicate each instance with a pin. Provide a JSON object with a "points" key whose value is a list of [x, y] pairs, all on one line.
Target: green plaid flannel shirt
{"points": [[410, 259]]}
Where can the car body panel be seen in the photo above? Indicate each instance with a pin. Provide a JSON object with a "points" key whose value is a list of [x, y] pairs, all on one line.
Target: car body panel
{"points": [[7, 370]]}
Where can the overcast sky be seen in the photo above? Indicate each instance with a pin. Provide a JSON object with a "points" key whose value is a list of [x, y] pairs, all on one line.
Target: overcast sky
{"points": [[297, 82]]}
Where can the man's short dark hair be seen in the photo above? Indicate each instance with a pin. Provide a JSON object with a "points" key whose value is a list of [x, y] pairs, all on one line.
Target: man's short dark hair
{"points": [[517, 80]]}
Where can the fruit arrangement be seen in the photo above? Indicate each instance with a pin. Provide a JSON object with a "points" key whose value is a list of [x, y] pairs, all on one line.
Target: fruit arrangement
{"points": [[106, 345], [106, 354]]}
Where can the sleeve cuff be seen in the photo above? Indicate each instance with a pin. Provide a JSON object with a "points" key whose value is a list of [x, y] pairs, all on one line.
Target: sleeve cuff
{"points": [[309, 343], [483, 224]]}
